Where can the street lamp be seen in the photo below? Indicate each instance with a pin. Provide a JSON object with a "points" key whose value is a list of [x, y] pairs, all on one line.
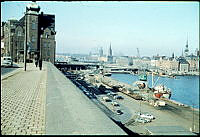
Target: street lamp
{"points": [[25, 42], [12, 43], [41, 31]]}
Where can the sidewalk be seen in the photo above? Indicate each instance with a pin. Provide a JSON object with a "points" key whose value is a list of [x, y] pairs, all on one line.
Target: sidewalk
{"points": [[23, 98]]}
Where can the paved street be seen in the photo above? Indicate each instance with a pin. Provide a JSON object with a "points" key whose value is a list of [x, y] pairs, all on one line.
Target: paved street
{"points": [[166, 116], [23, 102], [5, 70]]}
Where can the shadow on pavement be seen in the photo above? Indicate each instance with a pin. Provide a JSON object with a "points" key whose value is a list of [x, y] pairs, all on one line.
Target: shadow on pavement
{"points": [[128, 131]]}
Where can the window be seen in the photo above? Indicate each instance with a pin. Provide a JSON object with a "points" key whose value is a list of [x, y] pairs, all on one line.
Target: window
{"points": [[19, 33], [48, 53], [46, 35], [33, 25], [33, 39], [12, 30], [45, 45]]}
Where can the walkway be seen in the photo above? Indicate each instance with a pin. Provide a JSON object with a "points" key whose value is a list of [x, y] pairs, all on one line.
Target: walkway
{"points": [[23, 98]]}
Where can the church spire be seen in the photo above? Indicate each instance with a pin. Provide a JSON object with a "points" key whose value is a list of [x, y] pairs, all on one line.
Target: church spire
{"points": [[186, 51], [110, 50], [187, 42]]}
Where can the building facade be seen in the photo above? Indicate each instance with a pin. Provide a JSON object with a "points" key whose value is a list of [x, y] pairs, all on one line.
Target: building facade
{"points": [[124, 61], [35, 30]]}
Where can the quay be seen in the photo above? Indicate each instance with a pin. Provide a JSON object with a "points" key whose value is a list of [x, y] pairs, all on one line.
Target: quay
{"points": [[45, 102], [175, 114]]}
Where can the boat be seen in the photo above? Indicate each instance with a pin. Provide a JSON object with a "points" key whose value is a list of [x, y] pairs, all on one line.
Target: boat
{"points": [[107, 74], [158, 91], [142, 83], [162, 91]]}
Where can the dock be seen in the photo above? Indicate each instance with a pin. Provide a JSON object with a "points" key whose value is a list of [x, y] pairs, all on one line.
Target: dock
{"points": [[172, 114]]}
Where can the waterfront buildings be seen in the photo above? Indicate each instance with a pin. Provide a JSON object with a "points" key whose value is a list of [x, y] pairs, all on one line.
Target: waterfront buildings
{"points": [[101, 52], [124, 61], [34, 28]]}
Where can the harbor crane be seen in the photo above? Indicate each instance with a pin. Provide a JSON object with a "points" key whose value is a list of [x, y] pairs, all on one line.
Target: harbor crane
{"points": [[138, 53]]}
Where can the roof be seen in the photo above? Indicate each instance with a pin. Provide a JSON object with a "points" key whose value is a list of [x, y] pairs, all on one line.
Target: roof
{"points": [[183, 61], [168, 130]]}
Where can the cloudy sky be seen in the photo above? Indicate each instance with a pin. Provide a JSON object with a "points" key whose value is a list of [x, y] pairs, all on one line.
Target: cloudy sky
{"points": [[153, 27]]}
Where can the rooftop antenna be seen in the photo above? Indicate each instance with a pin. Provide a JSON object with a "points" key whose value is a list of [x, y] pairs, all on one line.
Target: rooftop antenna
{"points": [[138, 53], [187, 40]]}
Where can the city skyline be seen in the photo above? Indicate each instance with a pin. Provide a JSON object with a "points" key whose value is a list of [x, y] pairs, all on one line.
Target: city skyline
{"points": [[153, 27]]}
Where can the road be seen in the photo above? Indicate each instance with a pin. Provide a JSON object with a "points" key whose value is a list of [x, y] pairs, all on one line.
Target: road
{"points": [[169, 115], [96, 96], [6, 70]]}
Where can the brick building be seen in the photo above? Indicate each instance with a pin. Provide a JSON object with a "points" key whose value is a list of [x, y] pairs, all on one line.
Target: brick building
{"points": [[40, 31]]}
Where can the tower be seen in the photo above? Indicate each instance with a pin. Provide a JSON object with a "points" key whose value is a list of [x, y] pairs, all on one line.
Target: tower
{"points": [[110, 57], [110, 51], [101, 52], [173, 55], [186, 51], [31, 23]]}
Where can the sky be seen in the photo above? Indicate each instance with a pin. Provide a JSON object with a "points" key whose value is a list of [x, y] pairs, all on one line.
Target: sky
{"points": [[152, 27]]}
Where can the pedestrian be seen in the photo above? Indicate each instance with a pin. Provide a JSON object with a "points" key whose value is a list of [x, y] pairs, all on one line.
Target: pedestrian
{"points": [[40, 64], [36, 62]]}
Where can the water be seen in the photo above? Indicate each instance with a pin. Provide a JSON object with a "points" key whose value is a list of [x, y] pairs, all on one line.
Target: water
{"points": [[185, 89]]}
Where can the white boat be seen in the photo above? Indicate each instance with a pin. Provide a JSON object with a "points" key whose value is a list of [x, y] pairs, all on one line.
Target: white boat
{"points": [[107, 74], [162, 91]]}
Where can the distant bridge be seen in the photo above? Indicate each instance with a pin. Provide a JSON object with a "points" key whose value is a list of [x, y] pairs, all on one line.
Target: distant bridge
{"points": [[77, 66]]}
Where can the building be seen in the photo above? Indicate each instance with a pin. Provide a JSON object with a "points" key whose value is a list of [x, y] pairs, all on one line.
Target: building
{"points": [[101, 52], [110, 56], [193, 62], [2, 49], [34, 29], [124, 61], [184, 66]]}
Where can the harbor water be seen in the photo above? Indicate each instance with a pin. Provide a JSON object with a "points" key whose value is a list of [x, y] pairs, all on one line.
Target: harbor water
{"points": [[185, 89]]}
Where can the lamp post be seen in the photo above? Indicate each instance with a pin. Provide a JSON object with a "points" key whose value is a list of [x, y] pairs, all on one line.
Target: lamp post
{"points": [[40, 59], [12, 43], [25, 42], [41, 31]]}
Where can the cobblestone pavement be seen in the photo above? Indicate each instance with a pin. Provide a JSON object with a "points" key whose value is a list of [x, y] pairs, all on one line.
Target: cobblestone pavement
{"points": [[23, 98]]}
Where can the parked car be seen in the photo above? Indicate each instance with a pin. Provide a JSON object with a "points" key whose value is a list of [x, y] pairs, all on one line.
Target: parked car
{"points": [[106, 99], [115, 103], [119, 112], [118, 97], [142, 120], [7, 61], [146, 116], [113, 94]]}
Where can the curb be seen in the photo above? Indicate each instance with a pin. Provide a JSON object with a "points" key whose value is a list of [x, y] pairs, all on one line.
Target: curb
{"points": [[11, 73]]}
